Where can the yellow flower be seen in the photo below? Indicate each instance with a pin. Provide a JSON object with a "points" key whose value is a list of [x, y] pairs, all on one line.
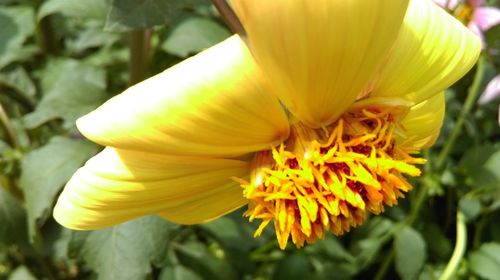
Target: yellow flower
{"points": [[362, 83]]}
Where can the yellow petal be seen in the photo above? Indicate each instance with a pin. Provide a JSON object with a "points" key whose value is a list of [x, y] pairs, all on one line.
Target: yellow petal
{"points": [[433, 50], [318, 55], [204, 209], [212, 104], [118, 185], [423, 122]]}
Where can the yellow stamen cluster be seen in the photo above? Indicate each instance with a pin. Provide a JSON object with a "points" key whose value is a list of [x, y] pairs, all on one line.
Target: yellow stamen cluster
{"points": [[329, 178]]}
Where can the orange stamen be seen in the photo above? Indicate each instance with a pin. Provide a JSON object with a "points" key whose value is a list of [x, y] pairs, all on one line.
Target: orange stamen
{"points": [[328, 179]]}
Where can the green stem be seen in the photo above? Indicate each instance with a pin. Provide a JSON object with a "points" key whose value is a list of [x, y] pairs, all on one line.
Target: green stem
{"points": [[459, 251], [5, 181], [46, 37], [480, 225], [263, 251], [9, 129], [419, 202], [385, 265], [139, 55], [469, 103]]}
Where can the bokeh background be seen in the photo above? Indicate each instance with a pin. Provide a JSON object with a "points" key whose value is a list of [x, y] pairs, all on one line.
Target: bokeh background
{"points": [[59, 59]]}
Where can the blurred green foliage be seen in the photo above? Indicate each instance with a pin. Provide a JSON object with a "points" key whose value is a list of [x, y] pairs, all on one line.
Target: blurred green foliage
{"points": [[59, 59]]}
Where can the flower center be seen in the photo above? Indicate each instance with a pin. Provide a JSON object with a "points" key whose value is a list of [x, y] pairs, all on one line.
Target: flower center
{"points": [[328, 179]]}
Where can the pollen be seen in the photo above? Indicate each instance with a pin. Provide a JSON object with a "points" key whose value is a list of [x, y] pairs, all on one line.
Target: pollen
{"points": [[329, 179]]}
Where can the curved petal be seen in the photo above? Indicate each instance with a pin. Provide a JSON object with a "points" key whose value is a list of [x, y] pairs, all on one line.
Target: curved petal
{"points": [[205, 209], [432, 52], [486, 17], [318, 55], [118, 185], [491, 92], [423, 122], [476, 3], [479, 33], [211, 104]]}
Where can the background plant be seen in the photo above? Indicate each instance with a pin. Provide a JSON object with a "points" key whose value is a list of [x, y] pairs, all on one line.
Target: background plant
{"points": [[59, 59]]}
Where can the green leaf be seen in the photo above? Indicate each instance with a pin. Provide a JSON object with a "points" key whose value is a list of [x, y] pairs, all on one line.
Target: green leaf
{"points": [[476, 157], [12, 219], [10, 2], [432, 272], [438, 244], [342, 271], [126, 251], [19, 80], [230, 233], [21, 273], [485, 261], [489, 175], [45, 170], [56, 240], [330, 247], [17, 24], [295, 266], [196, 256], [410, 249], [481, 166], [22, 53], [368, 240], [194, 35], [76, 243], [71, 89], [471, 207], [92, 37], [127, 15], [236, 239], [492, 38], [367, 251], [88, 9], [178, 272]]}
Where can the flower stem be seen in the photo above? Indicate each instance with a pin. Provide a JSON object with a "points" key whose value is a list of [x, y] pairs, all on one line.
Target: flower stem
{"points": [[6, 182], [469, 103], [46, 37], [479, 228], [459, 251], [9, 129], [229, 17], [410, 219], [139, 46], [385, 265], [419, 202]]}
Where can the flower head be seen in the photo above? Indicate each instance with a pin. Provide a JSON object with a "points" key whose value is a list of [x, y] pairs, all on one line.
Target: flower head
{"points": [[362, 83]]}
